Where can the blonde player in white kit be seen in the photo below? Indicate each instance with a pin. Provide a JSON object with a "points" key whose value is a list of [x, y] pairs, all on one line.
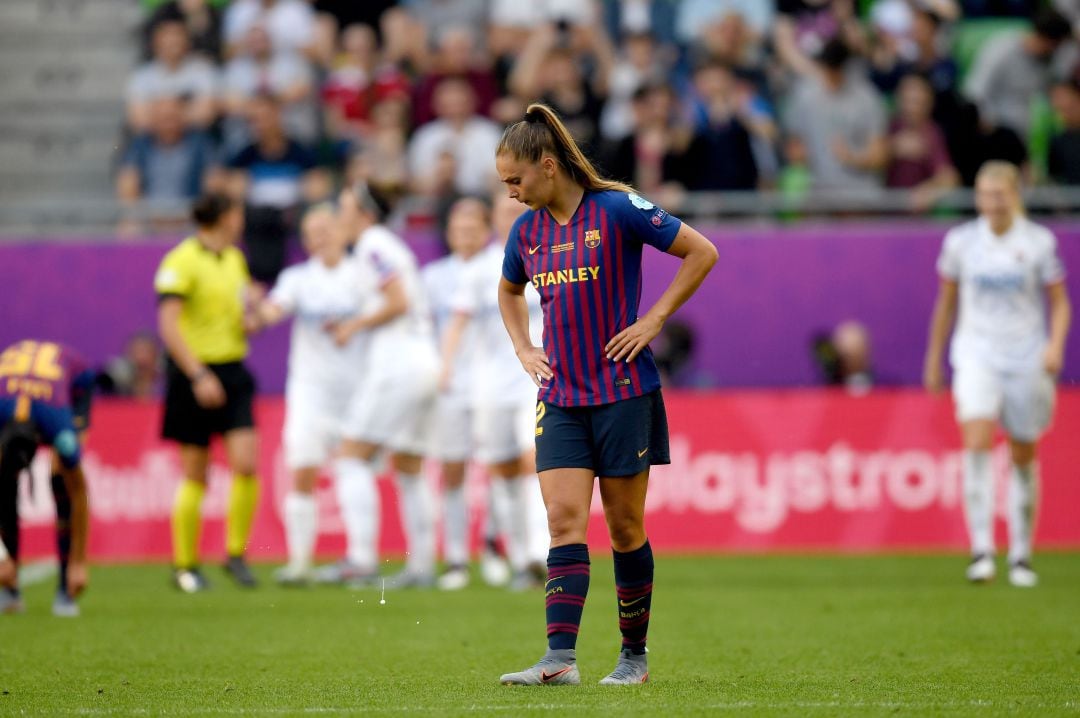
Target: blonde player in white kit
{"points": [[452, 439], [503, 396], [998, 268], [328, 288], [392, 410]]}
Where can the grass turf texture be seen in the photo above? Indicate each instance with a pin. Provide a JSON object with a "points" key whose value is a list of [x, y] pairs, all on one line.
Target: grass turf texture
{"points": [[806, 635]]}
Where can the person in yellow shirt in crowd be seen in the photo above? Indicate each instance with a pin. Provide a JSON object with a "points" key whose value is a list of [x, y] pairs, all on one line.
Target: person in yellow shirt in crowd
{"points": [[203, 289]]}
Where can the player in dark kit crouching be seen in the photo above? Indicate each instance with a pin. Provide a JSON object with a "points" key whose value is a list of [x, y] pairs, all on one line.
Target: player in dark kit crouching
{"points": [[45, 392]]}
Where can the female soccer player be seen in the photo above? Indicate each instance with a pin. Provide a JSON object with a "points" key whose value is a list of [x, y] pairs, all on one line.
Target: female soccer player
{"points": [[502, 396], [600, 412], [392, 410], [326, 289], [996, 269], [203, 289]]}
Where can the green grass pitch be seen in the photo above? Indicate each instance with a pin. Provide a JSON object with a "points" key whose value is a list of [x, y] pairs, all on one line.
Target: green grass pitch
{"points": [[795, 635]]}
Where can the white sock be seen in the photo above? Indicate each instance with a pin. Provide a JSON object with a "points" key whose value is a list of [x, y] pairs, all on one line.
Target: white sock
{"points": [[418, 519], [358, 497], [456, 526], [515, 530], [301, 528], [536, 519], [509, 518], [979, 501], [1023, 501]]}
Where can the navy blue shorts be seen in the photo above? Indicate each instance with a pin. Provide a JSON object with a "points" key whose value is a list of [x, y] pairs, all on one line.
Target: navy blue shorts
{"points": [[53, 425], [619, 439]]}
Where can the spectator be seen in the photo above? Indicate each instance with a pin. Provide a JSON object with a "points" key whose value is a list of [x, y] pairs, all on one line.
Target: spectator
{"points": [[359, 81], [845, 357], [721, 156], [258, 69], [930, 58], [652, 158], [1013, 69], [169, 164], [174, 72], [984, 142], [289, 23], [381, 161], [1064, 160], [550, 68], [438, 16], [695, 15], [457, 150], [836, 120], [455, 56], [275, 174], [804, 27], [138, 372], [729, 41], [634, 17], [203, 23], [638, 64], [918, 157]]}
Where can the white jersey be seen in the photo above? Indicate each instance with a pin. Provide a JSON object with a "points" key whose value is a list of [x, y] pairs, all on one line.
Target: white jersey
{"points": [[400, 345], [317, 295], [441, 280], [1002, 316], [500, 380]]}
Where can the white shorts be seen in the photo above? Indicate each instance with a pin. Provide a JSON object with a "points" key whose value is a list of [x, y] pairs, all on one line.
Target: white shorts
{"points": [[312, 426], [394, 413], [452, 430], [504, 433], [1023, 402]]}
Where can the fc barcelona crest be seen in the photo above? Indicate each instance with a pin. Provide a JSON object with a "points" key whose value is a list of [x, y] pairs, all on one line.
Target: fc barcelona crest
{"points": [[592, 238]]}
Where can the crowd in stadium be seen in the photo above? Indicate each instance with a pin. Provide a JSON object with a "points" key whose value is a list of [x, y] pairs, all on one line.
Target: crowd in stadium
{"points": [[279, 100]]}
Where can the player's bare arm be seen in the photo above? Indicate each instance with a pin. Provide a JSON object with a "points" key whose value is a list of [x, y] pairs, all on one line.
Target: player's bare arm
{"points": [[396, 304], [698, 256], [515, 315], [941, 322], [1060, 311]]}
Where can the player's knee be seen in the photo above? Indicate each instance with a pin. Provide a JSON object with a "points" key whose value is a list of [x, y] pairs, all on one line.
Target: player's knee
{"points": [[566, 523], [626, 534], [1022, 452]]}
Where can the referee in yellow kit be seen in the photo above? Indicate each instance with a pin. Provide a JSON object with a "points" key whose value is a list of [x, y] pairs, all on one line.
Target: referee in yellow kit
{"points": [[202, 287]]}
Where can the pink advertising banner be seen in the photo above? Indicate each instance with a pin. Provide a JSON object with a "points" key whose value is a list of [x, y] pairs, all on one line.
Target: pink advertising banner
{"points": [[751, 471]]}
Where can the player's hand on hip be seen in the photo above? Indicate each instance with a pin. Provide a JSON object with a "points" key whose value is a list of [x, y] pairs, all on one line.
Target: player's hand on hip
{"points": [[536, 364], [209, 392], [1053, 359], [77, 578], [628, 343]]}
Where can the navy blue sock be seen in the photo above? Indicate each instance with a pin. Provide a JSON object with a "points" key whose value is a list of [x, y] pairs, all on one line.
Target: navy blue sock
{"points": [[633, 586], [564, 593]]}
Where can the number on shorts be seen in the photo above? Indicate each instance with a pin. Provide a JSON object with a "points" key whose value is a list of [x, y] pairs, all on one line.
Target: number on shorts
{"points": [[540, 411]]}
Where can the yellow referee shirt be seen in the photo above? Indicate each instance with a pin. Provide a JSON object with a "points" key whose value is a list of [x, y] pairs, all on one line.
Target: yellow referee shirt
{"points": [[212, 286]]}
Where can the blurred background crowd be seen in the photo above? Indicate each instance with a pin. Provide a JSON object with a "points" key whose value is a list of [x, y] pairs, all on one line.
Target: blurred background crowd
{"points": [[282, 101]]}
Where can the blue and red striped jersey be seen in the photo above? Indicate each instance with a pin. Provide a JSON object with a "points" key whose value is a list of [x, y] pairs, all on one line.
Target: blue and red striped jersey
{"points": [[588, 275], [47, 373]]}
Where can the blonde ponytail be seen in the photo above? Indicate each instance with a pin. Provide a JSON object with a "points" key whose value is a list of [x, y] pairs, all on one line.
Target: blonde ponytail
{"points": [[542, 131]]}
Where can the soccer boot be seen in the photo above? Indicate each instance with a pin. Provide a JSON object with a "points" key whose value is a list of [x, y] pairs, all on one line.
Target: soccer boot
{"points": [[240, 572], [981, 569], [344, 572], [1021, 575], [556, 668], [292, 576], [190, 580], [630, 670], [454, 578], [64, 606], [11, 601]]}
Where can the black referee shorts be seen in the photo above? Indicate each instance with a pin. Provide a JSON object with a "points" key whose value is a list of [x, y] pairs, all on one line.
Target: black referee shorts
{"points": [[619, 439], [188, 423]]}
